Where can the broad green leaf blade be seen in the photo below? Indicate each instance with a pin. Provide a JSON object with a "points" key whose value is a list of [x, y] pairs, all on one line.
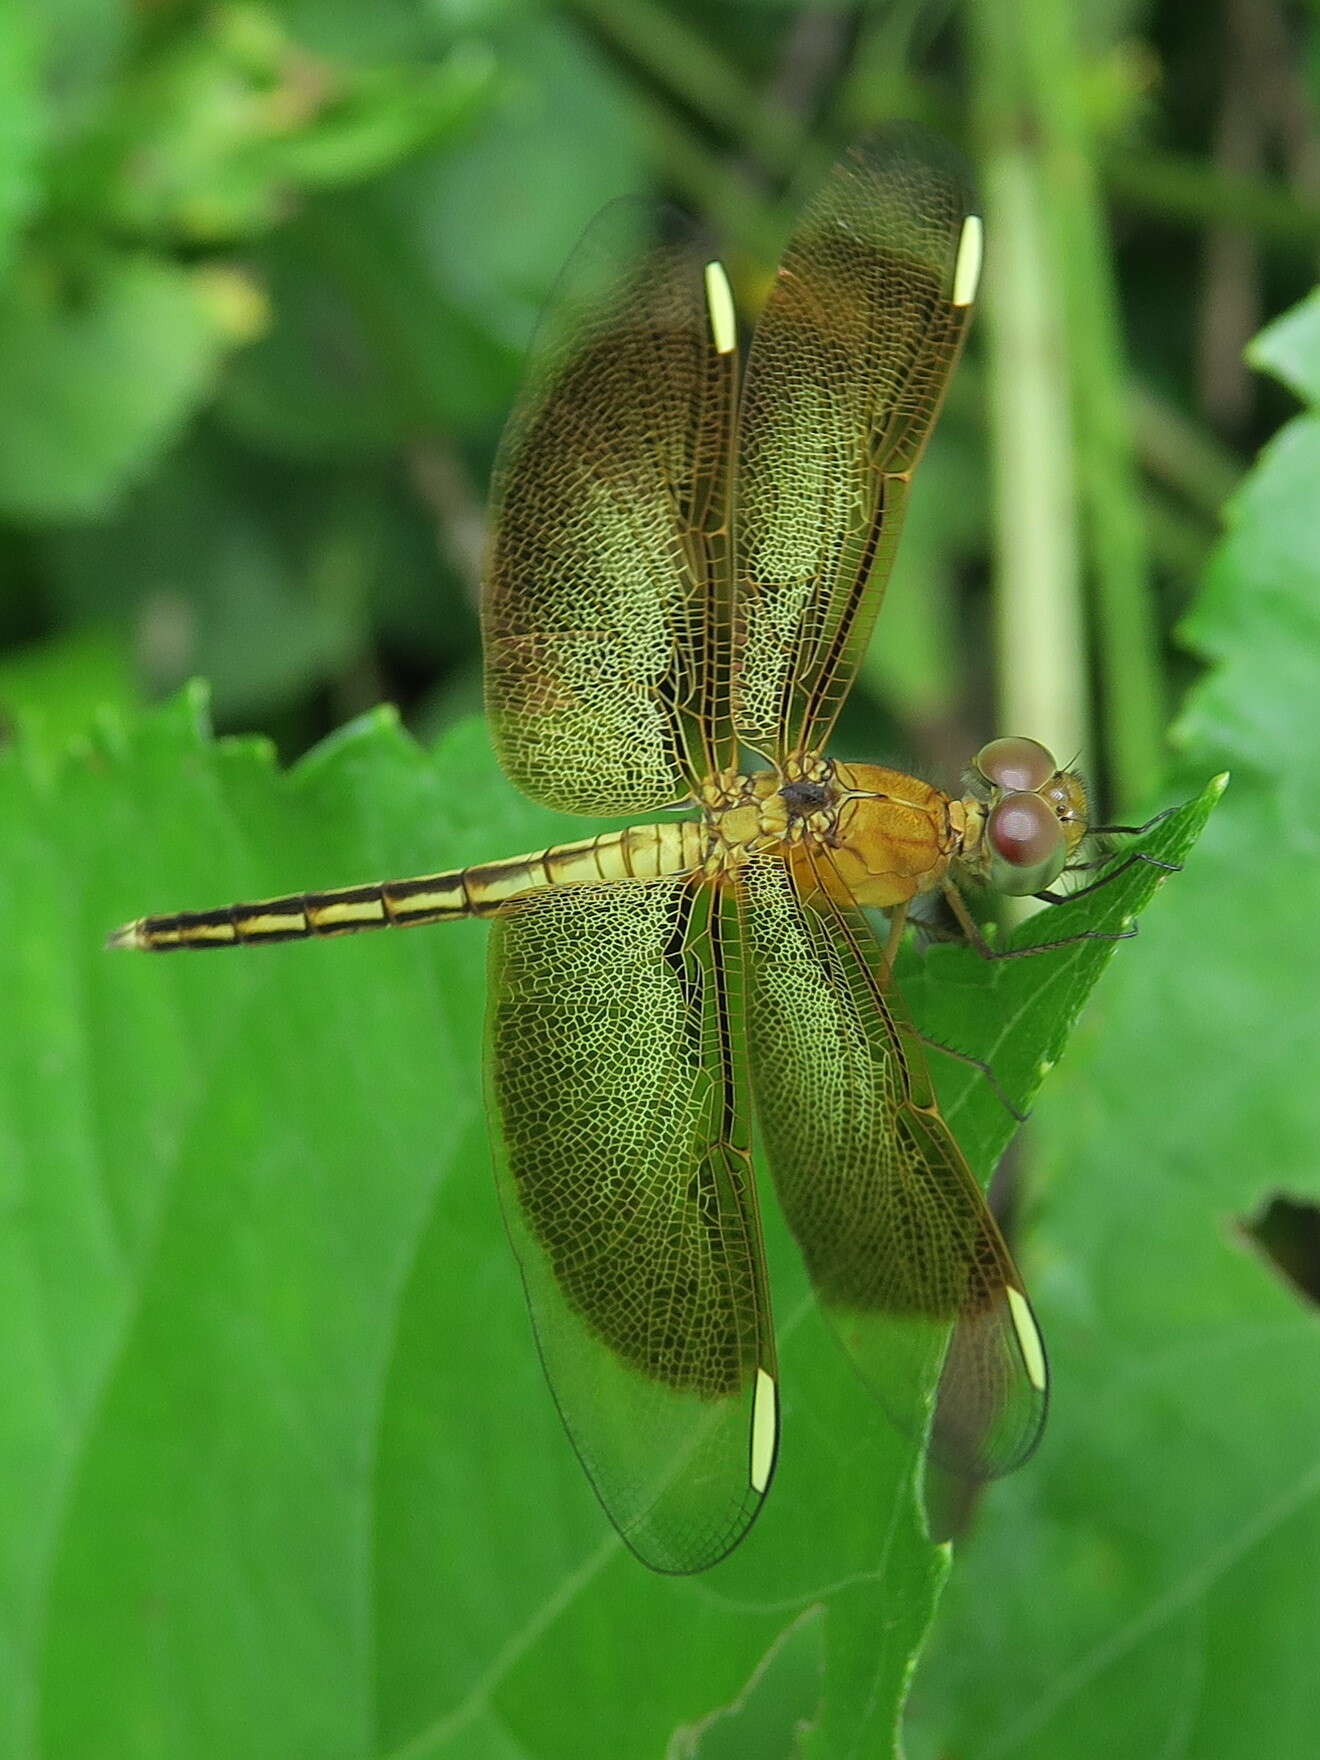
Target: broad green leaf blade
{"points": [[58, 688], [1153, 1580], [282, 1471], [22, 124], [96, 381], [776, 1706], [1016, 1014]]}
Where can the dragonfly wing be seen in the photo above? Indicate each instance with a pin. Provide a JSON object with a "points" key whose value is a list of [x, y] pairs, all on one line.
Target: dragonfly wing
{"points": [[609, 546], [894, 1229], [845, 378], [624, 1168]]}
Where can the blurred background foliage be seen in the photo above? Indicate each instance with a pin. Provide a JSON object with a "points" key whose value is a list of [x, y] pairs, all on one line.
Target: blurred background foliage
{"points": [[267, 272]]}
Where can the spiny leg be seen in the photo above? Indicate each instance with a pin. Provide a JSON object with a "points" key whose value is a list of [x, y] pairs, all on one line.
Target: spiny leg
{"points": [[1104, 880], [1124, 861], [897, 924], [898, 918], [972, 929], [984, 1068], [1133, 830]]}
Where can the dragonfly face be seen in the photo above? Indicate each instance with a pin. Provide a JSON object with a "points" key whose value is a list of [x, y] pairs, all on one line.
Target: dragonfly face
{"points": [[1024, 817], [684, 570]]}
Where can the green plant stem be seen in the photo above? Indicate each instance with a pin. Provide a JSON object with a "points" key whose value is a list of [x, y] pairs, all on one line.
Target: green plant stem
{"points": [[1174, 450], [1199, 193], [1183, 453], [880, 78], [697, 75], [1180, 543], [712, 186], [1131, 679], [1038, 611]]}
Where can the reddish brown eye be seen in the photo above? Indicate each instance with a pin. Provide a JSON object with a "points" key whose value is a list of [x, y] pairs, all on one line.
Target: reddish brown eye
{"points": [[1023, 830], [1028, 847], [1016, 765]]}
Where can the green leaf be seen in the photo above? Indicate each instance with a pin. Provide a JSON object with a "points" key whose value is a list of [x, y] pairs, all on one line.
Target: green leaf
{"points": [[95, 380], [22, 123], [284, 1473], [215, 567], [775, 1709], [1016, 1014], [56, 690], [1144, 1586], [401, 309], [495, 222], [213, 130], [1287, 348]]}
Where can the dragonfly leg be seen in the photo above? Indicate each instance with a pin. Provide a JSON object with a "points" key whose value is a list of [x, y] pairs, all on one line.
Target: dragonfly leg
{"points": [[1132, 830], [972, 929], [1094, 885], [897, 923], [976, 1063], [1137, 855], [1116, 856], [1124, 862]]}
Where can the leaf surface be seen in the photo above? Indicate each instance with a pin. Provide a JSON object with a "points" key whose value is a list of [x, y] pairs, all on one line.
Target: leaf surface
{"points": [[282, 1473], [1152, 1579]]}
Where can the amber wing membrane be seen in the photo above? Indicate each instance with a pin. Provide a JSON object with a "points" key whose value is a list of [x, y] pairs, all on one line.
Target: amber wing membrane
{"points": [[604, 617], [845, 378], [619, 1095], [899, 1243]]}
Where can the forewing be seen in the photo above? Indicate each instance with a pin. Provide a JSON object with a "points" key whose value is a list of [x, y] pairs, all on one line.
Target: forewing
{"points": [[605, 608], [844, 381], [895, 1232], [623, 1162]]}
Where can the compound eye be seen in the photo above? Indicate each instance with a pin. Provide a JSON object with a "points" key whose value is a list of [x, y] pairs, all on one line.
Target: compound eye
{"points": [[1027, 844], [1016, 765]]}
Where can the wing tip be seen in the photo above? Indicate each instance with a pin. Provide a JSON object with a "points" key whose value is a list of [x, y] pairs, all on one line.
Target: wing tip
{"points": [[720, 308], [765, 1432], [967, 263], [1030, 1343]]}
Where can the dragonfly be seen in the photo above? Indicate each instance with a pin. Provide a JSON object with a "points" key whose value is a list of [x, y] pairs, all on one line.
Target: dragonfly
{"points": [[685, 564]]}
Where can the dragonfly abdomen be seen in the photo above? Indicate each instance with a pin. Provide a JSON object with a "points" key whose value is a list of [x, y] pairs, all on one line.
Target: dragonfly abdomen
{"points": [[642, 852]]}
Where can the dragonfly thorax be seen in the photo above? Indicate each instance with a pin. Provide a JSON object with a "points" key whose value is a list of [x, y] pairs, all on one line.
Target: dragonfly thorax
{"points": [[805, 798], [851, 830], [749, 812], [894, 835]]}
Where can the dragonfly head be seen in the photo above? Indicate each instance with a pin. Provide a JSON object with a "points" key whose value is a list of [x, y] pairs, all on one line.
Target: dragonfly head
{"points": [[1025, 816]]}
